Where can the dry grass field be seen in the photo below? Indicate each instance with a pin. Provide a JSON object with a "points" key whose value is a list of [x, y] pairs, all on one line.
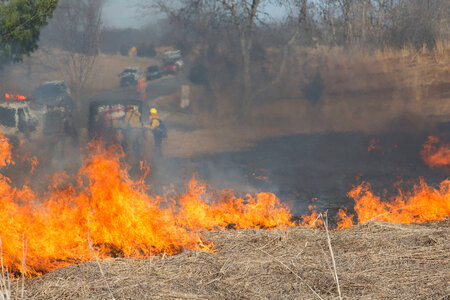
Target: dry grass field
{"points": [[363, 90], [370, 92], [372, 261]]}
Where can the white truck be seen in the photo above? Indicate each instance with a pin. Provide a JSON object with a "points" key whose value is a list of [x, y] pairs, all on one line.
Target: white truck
{"points": [[17, 122]]}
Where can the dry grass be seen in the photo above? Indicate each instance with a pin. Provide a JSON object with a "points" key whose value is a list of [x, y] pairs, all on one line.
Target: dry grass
{"points": [[373, 261], [5, 279], [364, 91]]}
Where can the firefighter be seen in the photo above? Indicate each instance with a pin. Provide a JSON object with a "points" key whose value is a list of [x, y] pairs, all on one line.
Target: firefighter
{"points": [[133, 130], [158, 128], [142, 89]]}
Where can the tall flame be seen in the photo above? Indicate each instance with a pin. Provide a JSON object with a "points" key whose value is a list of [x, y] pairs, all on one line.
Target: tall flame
{"points": [[436, 154], [117, 214]]}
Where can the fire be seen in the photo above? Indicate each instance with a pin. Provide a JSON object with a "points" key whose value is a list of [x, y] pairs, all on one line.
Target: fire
{"points": [[121, 218], [312, 219], [117, 214], [345, 219], [263, 210], [436, 154], [423, 203], [373, 146]]}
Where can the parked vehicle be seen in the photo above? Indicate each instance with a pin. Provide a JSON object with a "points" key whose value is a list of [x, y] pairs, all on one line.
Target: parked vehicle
{"points": [[153, 72], [47, 119], [172, 61], [130, 76], [17, 122], [53, 106], [173, 55], [170, 67], [53, 94]]}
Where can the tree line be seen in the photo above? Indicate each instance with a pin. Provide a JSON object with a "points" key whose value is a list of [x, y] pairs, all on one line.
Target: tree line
{"points": [[231, 38]]}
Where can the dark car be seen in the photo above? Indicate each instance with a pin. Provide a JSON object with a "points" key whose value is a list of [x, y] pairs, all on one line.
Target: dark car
{"points": [[153, 72], [53, 94], [130, 76]]}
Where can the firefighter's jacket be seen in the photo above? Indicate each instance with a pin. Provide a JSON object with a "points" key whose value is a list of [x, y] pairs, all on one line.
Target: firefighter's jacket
{"points": [[133, 119], [153, 122]]}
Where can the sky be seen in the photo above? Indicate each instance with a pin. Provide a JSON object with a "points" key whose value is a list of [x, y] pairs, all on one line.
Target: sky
{"points": [[125, 13]]}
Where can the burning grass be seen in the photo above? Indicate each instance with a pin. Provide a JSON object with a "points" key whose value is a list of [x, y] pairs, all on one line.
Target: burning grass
{"points": [[436, 154], [119, 216], [108, 213]]}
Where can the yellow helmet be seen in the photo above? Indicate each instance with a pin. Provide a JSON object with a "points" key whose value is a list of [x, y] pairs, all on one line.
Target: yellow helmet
{"points": [[153, 111]]}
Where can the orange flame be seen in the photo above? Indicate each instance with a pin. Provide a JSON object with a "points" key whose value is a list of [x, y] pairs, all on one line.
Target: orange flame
{"points": [[312, 219], [436, 155], [122, 219], [345, 219], [423, 203], [117, 214], [373, 146]]}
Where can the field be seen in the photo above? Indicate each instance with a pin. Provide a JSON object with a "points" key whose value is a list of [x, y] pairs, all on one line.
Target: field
{"points": [[306, 151], [44, 65], [371, 92]]}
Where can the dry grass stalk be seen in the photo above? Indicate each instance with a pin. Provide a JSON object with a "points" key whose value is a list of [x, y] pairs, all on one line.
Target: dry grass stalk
{"points": [[5, 280], [24, 253], [336, 278], [292, 271], [91, 246]]}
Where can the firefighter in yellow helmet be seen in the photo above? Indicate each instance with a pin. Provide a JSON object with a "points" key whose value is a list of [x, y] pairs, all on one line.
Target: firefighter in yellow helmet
{"points": [[158, 128]]}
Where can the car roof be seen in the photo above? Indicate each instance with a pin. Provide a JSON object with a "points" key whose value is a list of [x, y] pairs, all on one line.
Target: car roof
{"points": [[55, 82], [95, 104], [131, 69], [14, 105]]}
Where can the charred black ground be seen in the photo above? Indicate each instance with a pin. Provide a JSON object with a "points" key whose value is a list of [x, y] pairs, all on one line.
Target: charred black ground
{"points": [[318, 169]]}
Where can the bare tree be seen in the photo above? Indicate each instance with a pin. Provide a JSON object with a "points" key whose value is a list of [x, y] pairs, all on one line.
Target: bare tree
{"points": [[76, 29], [236, 20]]}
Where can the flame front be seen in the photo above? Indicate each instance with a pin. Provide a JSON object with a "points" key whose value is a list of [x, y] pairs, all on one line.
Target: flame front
{"points": [[436, 154], [423, 203], [122, 219], [117, 214]]}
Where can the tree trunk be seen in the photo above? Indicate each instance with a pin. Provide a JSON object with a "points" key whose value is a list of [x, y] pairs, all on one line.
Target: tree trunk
{"points": [[246, 76]]}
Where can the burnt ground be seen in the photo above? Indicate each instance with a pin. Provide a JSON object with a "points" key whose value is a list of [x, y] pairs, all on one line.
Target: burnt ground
{"points": [[318, 169]]}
